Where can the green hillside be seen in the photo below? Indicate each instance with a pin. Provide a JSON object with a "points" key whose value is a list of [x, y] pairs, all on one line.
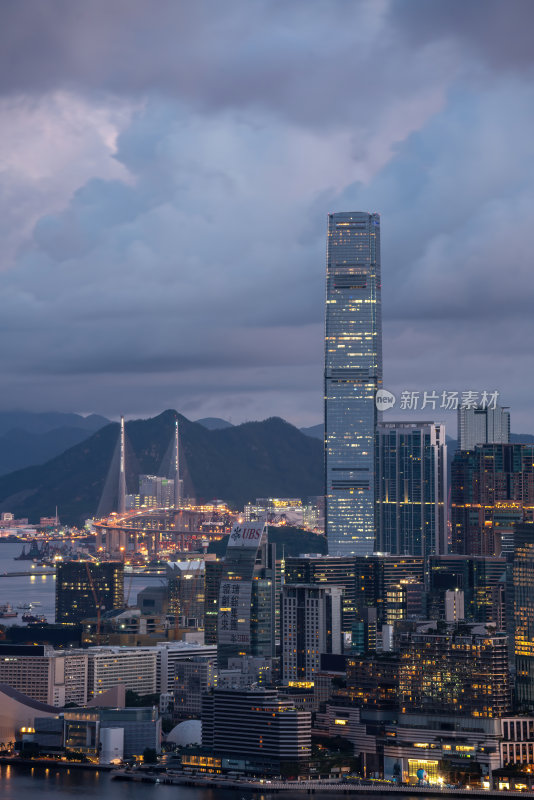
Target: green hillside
{"points": [[236, 464]]}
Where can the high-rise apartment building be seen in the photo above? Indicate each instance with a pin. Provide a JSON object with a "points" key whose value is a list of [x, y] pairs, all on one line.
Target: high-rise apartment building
{"points": [[81, 585], [311, 625], [212, 584], [483, 426], [492, 489], [455, 669], [523, 615], [353, 373], [411, 488], [365, 580], [326, 571]]}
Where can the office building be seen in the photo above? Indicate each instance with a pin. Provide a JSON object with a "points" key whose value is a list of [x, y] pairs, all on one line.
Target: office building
{"points": [[53, 677], [326, 571], [492, 489], [212, 584], [95, 732], [481, 579], [255, 725], [244, 672], [161, 490], [285, 511], [517, 746], [447, 747], [247, 595], [365, 580], [82, 585], [411, 488], [483, 426], [311, 625], [353, 373], [185, 581], [376, 575], [191, 678], [170, 654]]}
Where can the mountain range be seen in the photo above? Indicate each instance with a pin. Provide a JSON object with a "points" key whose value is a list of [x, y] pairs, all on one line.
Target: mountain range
{"points": [[27, 439], [64, 459], [236, 463]]}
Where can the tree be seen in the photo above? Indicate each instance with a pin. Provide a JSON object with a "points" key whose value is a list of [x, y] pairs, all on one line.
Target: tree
{"points": [[150, 756], [134, 700]]}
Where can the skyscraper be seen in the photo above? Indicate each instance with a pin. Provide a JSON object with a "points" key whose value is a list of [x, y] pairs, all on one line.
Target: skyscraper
{"points": [[411, 488], [81, 585], [492, 489], [523, 599], [311, 625], [246, 619], [353, 373], [483, 426]]}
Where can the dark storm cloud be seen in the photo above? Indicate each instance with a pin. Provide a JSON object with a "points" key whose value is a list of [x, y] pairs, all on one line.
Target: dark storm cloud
{"points": [[167, 176], [499, 33], [297, 60]]}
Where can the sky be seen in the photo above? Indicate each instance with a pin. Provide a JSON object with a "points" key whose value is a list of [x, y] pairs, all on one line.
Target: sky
{"points": [[166, 173]]}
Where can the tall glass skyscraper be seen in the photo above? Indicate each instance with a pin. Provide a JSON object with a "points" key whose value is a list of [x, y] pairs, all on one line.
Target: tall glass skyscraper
{"points": [[411, 488], [353, 373]]}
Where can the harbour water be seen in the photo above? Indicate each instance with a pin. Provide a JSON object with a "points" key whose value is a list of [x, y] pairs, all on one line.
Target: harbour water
{"points": [[30, 782], [40, 589]]}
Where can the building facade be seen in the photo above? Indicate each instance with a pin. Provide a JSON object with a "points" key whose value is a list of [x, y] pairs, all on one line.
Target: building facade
{"points": [[255, 724], [353, 373], [191, 679], [81, 585], [311, 625], [492, 490], [523, 616], [483, 426], [54, 677], [455, 669], [481, 579], [135, 668], [411, 488], [247, 595], [185, 582]]}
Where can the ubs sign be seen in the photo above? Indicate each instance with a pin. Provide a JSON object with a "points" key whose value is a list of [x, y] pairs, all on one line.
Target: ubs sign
{"points": [[248, 535]]}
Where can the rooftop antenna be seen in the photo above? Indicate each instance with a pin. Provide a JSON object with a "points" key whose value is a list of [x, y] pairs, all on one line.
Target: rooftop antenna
{"points": [[121, 507]]}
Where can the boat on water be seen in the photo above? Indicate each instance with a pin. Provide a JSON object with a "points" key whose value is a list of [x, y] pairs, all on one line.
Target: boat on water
{"points": [[7, 610], [31, 618]]}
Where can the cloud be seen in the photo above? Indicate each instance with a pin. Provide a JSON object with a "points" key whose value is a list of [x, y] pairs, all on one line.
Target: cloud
{"points": [[495, 32], [167, 179]]}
